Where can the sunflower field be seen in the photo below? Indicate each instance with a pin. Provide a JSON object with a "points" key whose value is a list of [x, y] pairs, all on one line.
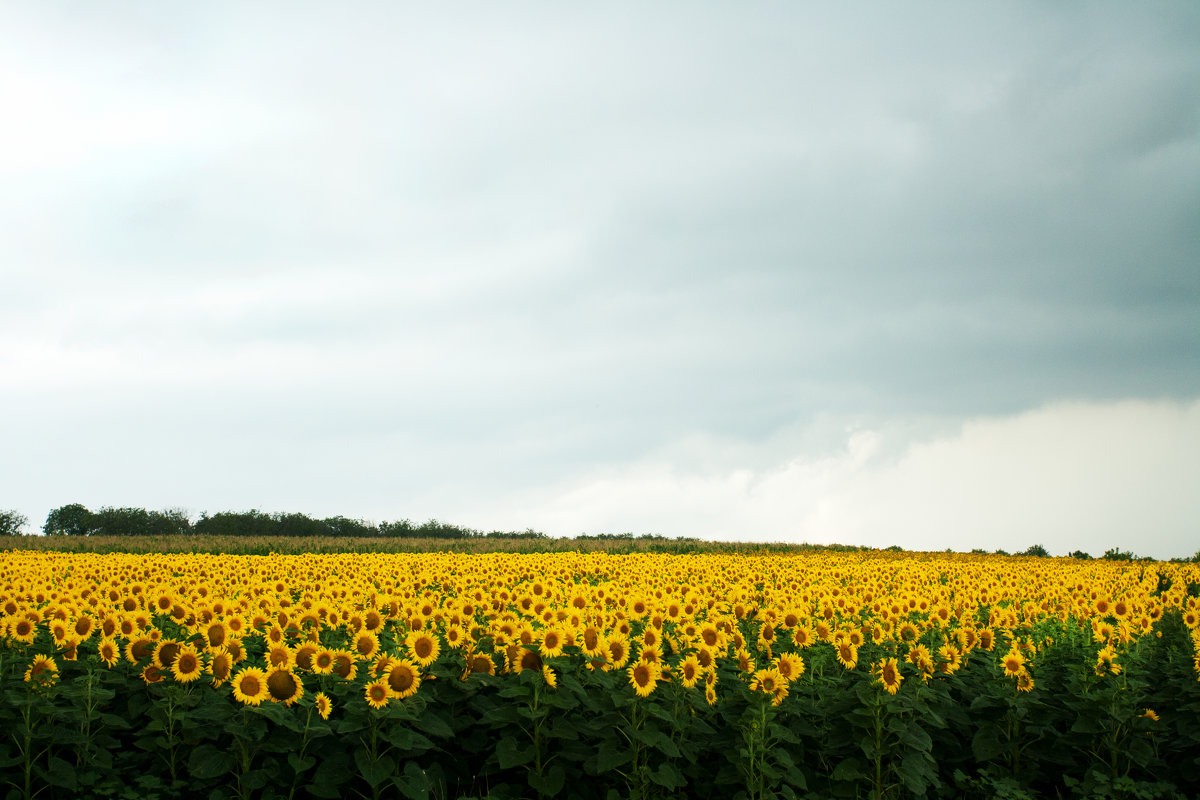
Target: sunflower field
{"points": [[597, 675]]}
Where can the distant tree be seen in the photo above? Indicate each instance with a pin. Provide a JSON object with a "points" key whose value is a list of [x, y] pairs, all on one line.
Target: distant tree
{"points": [[978, 551], [1035, 550], [1080, 554], [139, 522], [1001, 551], [340, 526], [69, 520], [12, 523], [1116, 554]]}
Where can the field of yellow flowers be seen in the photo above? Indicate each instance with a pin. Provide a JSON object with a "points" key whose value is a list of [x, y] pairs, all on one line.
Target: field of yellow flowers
{"points": [[595, 675]]}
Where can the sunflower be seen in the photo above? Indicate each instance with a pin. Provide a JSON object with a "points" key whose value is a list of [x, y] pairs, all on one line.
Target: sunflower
{"points": [[549, 676], [643, 677], [187, 666], [1106, 662], [377, 694], [951, 659], [250, 686], [745, 660], [457, 637], [889, 675], [165, 652], [711, 636], [151, 673], [109, 651], [343, 664], [366, 644], [907, 632], [216, 633], [284, 686], [237, 653], [650, 653], [1013, 663], [689, 671], [802, 636], [847, 654], [617, 653], [790, 666], [523, 658], [424, 647], [322, 661], [591, 641], [69, 647], [323, 704], [43, 671], [706, 658], [767, 680], [403, 679], [280, 655], [1025, 682], [24, 630], [83, 626], [220, 663], [303, 655], [551, 644], [480, 663]]}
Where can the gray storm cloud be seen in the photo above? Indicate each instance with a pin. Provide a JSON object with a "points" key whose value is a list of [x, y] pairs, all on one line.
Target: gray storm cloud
{"points": [[408, 262]]}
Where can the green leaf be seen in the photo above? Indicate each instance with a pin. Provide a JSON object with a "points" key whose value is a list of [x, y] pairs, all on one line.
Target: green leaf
{"points": [[986, 744], [509, 756], [849, 769], [61, 773], [551, 783], [609, 757], [414, 783], [207, 762], [374, 772], [667, 776], [915, 772], [433, 725], [299, 764], [916, 738]]}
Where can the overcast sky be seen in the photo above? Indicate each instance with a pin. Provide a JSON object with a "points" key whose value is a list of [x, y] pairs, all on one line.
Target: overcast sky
{"points": [[925, 275]]}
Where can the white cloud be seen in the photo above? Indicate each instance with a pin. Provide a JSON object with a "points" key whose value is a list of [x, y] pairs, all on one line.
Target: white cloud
{"points": [[1068, 476]]}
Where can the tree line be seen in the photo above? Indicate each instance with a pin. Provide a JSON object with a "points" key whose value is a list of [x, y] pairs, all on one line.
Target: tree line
{"points": [[76, 519]]}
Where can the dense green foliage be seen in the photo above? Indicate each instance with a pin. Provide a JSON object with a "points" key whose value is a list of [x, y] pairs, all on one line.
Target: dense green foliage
{"points": [[102, 732]]}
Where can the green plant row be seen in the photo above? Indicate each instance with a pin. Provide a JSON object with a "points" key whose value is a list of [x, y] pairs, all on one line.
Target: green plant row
{"points": [[96, 731]]}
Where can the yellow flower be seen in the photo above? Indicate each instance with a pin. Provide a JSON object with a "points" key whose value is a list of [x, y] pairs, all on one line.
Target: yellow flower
{"points": [[377, 694], [643, 677], [250, 686], [187, 666], [889, 675], [689, 671], [1014, 663], [1149, 713], [424, 647], [403, 679], [790, 666], [284, 686], [847, 654], [43, 670], [109, 651], [323, 704], [551, 644]]}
